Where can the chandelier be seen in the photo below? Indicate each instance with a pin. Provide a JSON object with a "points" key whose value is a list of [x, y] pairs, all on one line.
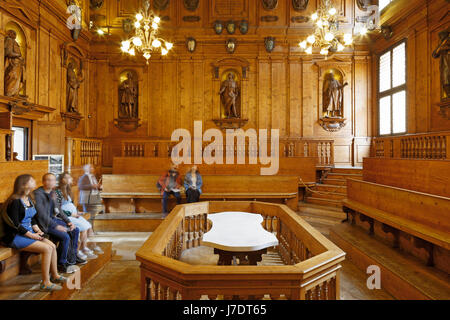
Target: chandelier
{"points": [[326, 36], [145, 39]]}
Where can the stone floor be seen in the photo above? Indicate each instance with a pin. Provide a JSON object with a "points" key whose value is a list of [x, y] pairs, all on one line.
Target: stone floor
{"points": [[119, 280]]}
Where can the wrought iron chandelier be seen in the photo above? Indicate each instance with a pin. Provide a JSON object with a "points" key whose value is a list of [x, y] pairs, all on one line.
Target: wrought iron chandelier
{"points": [[146, 40], [326, 37]]}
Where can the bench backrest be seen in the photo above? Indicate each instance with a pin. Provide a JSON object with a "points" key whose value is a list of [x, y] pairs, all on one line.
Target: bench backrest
{"points": [[429, 176], [10, 170], [211, 184], [304, 167], [427, 209]]}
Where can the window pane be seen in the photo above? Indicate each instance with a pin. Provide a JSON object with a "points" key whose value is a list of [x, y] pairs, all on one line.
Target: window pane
{"points": [[398, 65], [399, 112], [383, 3], [385, 115], [20, 142], [385, 71]]}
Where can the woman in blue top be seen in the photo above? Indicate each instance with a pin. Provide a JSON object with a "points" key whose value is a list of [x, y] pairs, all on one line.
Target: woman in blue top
{"points": [[193, 184], [21, 231]]}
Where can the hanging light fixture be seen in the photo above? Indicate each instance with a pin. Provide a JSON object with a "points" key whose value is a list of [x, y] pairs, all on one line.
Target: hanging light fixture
{"points": [[145, 39], [326, 36]]}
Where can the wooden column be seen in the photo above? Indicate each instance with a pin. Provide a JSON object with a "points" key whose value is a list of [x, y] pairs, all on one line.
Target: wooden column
{"points": [[68, 154]]}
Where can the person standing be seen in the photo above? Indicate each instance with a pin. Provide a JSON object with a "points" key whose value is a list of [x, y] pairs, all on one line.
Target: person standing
{"points": [[193, 185], [89, 188], [20, 231], [170, 183], [57, 225]]}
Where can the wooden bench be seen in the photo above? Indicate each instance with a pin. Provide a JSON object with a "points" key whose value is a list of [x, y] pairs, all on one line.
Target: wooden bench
{"points": [[134, 193], [302, 167], [429, 176], [391, 210]]}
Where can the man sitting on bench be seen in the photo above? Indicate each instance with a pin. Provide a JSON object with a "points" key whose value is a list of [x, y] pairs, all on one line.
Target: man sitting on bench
{"points": [[169, 183]]}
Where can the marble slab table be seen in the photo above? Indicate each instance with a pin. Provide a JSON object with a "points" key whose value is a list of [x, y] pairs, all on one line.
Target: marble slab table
{"points": [[238, 235]]}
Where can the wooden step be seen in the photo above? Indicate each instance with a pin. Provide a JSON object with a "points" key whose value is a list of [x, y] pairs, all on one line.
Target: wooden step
{"points": [[336, 182], [26, 287], [345, 176], [119, 222], [324, 202], [329, 195], [347, 170], [402, 275], [330, 188], [315, 209]]}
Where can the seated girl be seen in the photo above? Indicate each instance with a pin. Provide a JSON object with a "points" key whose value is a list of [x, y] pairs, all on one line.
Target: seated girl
{"points": [[21, 231], [64, 199]]}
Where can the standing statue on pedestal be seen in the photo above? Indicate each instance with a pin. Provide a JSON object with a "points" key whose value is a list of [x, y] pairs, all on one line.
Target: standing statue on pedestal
{"points": [[14, 66], [73, 83], [128, 98], [442, 52], [333, 96], [229, 93]]}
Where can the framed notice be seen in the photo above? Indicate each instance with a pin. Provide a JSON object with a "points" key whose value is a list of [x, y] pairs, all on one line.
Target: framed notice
{"points": [[55, 162]]}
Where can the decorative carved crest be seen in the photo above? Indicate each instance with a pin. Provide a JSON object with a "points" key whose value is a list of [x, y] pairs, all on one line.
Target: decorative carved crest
{"points": [[269, 43], [191, 5], [191, 44], [231, 27], [127, 25], [231, 45], [160, 4], [300, 5], [243, 26], [269, 4], [218, 27]]}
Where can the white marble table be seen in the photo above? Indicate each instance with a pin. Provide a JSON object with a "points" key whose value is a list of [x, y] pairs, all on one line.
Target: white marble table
{"points": [[238, 234]]}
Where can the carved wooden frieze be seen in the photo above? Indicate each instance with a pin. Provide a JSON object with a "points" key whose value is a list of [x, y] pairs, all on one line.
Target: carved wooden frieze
{"points": [[191, 5], [269, 18], [300, 5], [160, 4], [269, 4], [191, 18]]}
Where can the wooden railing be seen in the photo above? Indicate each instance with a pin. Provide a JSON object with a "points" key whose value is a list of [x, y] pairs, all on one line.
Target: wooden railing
{"points": [[413, 146], [81, 151], [311, 270], [323, 150]]}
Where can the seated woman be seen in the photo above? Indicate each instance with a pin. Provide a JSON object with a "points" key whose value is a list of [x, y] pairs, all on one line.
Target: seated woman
{"points": [[193, 184], [21, 231], [64, 198]]}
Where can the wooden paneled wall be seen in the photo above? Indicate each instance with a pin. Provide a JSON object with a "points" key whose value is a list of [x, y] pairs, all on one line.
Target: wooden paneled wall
{"points": [[283, 89], [419, 22]]}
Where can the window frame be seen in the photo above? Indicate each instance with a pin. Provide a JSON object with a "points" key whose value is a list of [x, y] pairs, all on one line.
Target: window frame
{"points": [[390, 92]]}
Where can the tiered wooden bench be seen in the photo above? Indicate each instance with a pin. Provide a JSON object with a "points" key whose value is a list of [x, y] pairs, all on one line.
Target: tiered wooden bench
{"points": [[412, 221], [137, 193]]}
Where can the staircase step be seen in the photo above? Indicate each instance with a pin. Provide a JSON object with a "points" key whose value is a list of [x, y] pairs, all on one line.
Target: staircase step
{"points": [[336, 182], [122, 222], [402, 275], [325, 202], [345, 176], [329, 195], [347, 170], [318, 209], [330, 188]]}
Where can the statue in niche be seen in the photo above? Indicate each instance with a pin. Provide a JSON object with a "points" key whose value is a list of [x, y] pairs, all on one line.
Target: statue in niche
{"points": [[128, 98], [14, 66], [229, 93], [332, 96], [73, 84], [442, 52]]}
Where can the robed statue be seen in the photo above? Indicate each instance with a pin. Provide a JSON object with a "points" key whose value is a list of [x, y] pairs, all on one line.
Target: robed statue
{"points": [[73, 84], [229, 93], [128, 98], [442, 52], [333, 96], [14, 66]]}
